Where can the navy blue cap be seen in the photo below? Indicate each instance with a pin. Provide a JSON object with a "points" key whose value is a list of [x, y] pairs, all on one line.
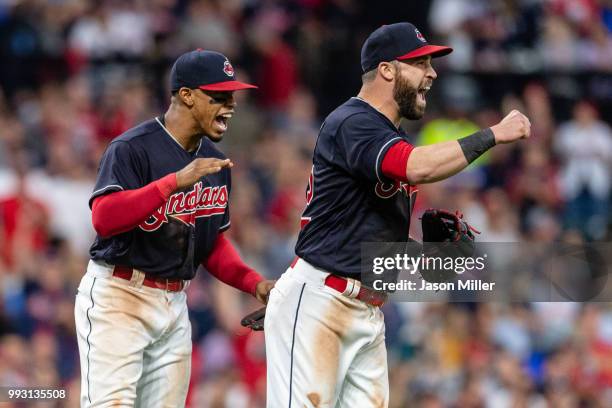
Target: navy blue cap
{"points": [[207, 70], [397, 41]]}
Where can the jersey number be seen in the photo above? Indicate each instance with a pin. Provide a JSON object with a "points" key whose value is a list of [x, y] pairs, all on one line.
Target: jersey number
{"points": [[310, 187], [309, 195]]}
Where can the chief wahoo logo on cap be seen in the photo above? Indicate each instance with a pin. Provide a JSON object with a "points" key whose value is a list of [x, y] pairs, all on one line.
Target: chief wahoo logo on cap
{"points": [[228, 69], [419, 35]]}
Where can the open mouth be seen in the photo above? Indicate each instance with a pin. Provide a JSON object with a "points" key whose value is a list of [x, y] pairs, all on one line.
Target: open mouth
{"points": [[221, 121], [422, 92]]}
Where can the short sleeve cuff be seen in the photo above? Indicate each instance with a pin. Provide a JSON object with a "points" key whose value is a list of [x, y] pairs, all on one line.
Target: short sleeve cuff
{"points": [[102, 191], [395, 161], [225, 227], [381, 155]]}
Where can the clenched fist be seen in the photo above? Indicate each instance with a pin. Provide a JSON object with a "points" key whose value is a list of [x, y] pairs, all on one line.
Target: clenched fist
{"points": [[513, 127], [199, 168]]}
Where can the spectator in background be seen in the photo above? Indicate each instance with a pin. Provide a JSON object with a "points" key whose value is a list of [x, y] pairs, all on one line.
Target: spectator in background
{"points": [[277, 73], [24, 224], [459, 95], [579, 13], [112, 29], [20, 43], [501, 222], [14, 360], [606, 14], [534, 184], [206, 27], [584, 145], [595, 51], [538, 105]]}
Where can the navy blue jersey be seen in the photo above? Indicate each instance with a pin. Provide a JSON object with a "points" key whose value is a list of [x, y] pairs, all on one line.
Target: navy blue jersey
{"points": [[179, 235], [348, 199]]}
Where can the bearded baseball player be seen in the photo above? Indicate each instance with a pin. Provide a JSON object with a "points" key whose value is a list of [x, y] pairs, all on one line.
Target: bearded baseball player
{"points": [[159, 207], [325, 331]]}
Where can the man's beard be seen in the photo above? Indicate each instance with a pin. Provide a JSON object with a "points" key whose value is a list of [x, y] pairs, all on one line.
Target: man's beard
{"points": [[406, 98]]}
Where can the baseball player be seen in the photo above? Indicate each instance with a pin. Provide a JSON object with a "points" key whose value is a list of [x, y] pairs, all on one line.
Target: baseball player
{"points": [[324, 330], [159, 207]]}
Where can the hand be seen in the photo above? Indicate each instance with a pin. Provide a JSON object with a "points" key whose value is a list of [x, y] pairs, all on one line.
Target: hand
{"points": [[262, 290], [199, 168], [513, 127]]}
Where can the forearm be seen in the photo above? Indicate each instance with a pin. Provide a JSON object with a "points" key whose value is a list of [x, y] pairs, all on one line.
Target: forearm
{"points": [[431, 163], [225, 264], [119, 212], [428, 164]]}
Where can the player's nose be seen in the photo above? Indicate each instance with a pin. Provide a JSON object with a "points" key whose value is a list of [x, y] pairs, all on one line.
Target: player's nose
{"points": [[431, 73]]}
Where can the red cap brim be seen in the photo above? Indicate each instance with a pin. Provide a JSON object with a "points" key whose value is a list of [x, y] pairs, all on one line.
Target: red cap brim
{"points": [[433, 50], [227, 86]]}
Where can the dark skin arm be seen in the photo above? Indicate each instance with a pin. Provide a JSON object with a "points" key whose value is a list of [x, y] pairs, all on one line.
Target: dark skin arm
{"points": [[262, 290], [199, 168]]}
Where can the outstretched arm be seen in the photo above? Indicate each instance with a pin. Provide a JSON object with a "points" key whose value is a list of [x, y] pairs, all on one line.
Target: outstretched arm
{"points": [[225, 264], [428, 164]]}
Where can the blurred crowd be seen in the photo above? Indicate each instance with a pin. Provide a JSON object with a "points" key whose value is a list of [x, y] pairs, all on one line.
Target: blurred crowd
{"points": [[526, 35], [74, 74]]}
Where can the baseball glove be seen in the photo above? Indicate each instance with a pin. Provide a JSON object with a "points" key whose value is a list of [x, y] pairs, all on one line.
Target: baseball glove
{"points": [[445, 235], [255, 320]]}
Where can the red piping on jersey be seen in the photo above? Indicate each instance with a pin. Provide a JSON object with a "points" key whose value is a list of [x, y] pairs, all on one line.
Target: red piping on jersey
{"points": [[121, 211], [225, 264], [395, 161]]}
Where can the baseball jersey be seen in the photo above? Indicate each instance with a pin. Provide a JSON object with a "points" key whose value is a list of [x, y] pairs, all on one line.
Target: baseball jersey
{"points": [[178, 236], [348, 199]]}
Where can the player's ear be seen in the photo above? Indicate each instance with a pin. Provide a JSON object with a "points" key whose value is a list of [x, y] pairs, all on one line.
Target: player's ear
{"points": [[387, 70], [186, 96]]}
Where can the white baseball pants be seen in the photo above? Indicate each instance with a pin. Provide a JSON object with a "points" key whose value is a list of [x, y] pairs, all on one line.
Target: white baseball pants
{"points": [[323, 349], [134, 342]]}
